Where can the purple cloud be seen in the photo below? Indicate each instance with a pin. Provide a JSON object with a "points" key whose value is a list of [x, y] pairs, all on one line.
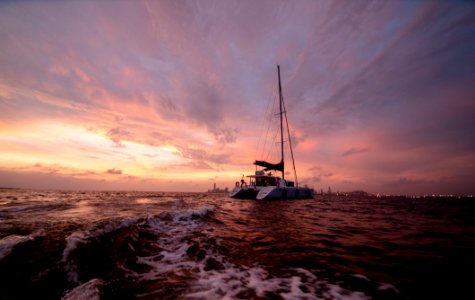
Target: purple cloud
{"points": [[354, 150]]}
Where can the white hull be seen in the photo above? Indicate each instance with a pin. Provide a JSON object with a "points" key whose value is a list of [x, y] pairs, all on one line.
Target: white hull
{"points": [[273, 192], [244, 192]]}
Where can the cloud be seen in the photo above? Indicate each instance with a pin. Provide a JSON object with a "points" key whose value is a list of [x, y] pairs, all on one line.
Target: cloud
{"points": [[201, 159], [114, 171], [118, 134], [317, 175], [354, 150], [185, 85], [407, 181]]}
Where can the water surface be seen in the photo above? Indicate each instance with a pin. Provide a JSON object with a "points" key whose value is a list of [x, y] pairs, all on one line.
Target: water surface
{"points": [[122, 245]]}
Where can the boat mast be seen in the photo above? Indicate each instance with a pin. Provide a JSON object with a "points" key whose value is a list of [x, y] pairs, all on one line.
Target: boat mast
{"points": [[290, 143], [283, 111], [281, 123]]}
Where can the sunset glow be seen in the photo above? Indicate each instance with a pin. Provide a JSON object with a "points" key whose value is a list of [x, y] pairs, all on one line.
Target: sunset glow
{"points": [[172, 96]]}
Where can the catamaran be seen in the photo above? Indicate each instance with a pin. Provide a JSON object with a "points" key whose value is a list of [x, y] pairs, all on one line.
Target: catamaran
{"points": [[265, 185]]}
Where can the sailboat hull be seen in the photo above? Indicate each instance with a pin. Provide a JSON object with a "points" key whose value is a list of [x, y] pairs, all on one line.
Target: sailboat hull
{"points": [[244, 193], [282, 193]]}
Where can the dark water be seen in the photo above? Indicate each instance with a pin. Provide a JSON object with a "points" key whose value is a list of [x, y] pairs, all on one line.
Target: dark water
{"points": [[119, 245]]}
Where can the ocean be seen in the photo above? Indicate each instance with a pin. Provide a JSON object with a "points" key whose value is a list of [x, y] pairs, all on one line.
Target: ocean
{"points": [[150, 245]]}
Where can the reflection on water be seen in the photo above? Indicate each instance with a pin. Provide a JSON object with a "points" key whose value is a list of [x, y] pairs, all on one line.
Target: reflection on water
{"points": [[81, 210]]}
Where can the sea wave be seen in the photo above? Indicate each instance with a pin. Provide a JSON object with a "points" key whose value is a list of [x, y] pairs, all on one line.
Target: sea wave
{"points": [[90, 290], [187, 251], [83, 237], [168, 223], [8, 243], [204, 246]]}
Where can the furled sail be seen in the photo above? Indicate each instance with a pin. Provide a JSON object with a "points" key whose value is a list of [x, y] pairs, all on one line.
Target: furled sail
{"points": [[269, 166]]}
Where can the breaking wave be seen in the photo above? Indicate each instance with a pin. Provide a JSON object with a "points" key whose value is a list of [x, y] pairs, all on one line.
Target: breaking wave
{"points": [[8, 243]]}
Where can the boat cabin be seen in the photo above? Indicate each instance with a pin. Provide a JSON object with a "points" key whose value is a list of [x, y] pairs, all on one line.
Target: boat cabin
{"points": [[262, 179]]}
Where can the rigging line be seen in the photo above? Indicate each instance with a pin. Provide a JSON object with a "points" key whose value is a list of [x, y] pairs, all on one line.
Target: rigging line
{"points": [[273, 152], [261, 128], [268, 118], [261, 151], [290, 142], [281, 111], [265, 142], [261, 132]]}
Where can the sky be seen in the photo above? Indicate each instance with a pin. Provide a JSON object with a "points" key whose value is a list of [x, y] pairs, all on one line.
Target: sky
{"points": [[176, 95]]}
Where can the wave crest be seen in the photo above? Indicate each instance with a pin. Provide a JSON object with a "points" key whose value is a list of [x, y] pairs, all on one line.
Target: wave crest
{"points": [[8, 243]]}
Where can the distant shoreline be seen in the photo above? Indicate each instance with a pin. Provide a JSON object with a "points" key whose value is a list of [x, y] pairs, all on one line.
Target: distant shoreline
{"points": [[338, 194]]}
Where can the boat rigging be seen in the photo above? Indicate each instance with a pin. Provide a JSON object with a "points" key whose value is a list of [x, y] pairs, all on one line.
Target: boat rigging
{"points": [[266, 185]]}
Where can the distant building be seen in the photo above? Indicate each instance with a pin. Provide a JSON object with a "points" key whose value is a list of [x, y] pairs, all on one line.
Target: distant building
{"points": [[218, 190]]}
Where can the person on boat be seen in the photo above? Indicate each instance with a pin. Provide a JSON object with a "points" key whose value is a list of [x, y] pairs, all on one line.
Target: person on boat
{"points": [[281, 182]]}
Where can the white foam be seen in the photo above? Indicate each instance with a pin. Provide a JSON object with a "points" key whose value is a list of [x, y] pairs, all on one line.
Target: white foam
{"points": [[387, 286], [90, 290], [171, 228], [8, 243], [231, 280], [234, 280], [178, 222], [170, 259], [72, 242], [192, 214], [360, 277], [223, 279], [307, 273], [337, 292]]}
